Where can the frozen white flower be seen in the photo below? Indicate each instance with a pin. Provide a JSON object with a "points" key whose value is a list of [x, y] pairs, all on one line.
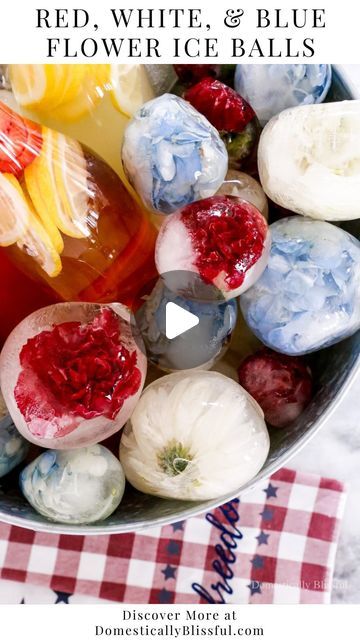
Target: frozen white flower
{"points": [[194, 436]]}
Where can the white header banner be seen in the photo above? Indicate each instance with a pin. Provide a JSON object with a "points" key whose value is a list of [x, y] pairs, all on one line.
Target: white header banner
{"points": [[183, 32]]}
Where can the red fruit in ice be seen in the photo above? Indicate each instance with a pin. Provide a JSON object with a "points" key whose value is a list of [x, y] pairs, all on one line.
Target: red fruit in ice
{"points": [[282, 385], [192, 73], [228, 237], [20, 141], [221, 105], [76, 369]]}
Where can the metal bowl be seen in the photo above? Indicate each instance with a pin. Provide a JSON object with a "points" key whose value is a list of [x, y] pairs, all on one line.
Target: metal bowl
{"points": [[334, 370]]}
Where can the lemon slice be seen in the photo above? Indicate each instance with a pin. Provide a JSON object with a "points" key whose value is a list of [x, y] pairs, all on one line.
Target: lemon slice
{"points": [[91, 87], [39, 194], [37, 86], [58, 179], [76, 108], [73, 78], [71, 176], [44, 87], [41, 187], [38, 245], [14, 210], [130, 87]]}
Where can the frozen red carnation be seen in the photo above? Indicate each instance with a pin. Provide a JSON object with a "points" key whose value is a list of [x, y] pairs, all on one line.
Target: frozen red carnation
{"points": [[221, 105], [282, 385], [78, 378], [224, 240]]}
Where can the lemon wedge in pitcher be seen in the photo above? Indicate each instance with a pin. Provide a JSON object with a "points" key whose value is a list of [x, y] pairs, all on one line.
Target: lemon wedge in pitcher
{"points": [[37, 244], [69, 91], [130, 87], [37, 86], [14, 210], [57, 184], [86, 93]]}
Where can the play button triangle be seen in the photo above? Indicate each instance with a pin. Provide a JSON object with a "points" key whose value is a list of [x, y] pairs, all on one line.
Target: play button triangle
{"points": [[178, 320]]}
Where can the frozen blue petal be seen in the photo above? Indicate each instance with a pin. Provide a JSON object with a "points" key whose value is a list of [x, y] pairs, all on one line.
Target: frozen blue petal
{"points": [[197, 347], [172, 155], [308, 300], [13, 447], [271, 88]]}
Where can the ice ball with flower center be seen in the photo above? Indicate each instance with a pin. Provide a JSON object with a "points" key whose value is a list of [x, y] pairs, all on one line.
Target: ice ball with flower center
{"points": [[75, 487], [199, 346], [194, 436], [71, 373], [281, 384], [309, 160], [13, 447], [224, 240], [271, 88], [172, 155], [309, 294]]}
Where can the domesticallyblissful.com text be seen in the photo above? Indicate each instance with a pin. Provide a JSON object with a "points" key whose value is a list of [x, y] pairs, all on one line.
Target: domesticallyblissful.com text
{"points": [[178, 623]]}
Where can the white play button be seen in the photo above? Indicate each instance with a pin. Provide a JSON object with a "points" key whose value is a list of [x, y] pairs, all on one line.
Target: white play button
{"points": [[178, 320]]}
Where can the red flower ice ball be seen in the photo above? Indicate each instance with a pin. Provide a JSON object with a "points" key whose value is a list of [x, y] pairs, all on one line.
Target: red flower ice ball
{"points": [[76, 378], [282, 385], [223, 239], [221, 105]]}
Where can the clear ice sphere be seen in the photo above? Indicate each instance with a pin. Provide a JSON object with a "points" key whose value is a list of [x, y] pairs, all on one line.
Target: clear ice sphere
{"points": [[241, 185]]}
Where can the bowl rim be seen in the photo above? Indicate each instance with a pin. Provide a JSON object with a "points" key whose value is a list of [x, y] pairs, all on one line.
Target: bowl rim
{"points": [[342, 73], [84, 530]]}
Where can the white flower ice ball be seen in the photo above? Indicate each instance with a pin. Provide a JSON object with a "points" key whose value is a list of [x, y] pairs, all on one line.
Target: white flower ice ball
{"points": [[194, 436]]}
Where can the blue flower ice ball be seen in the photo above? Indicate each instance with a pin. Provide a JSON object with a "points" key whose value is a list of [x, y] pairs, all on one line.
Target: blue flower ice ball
{"points": [[77, 486], [271, 88], [200, 346], [309, 295], [13, 447], [172, 155]]}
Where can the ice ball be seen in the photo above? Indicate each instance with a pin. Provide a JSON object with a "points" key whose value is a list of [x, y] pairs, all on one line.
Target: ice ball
{"points": [[172, 155], [71, 374], [13, 447], [194, 436], [75, 487], [271, 88], [240, 185], [282, 385], [200, 345], [309, 294], [309, 160], [223, 240]]}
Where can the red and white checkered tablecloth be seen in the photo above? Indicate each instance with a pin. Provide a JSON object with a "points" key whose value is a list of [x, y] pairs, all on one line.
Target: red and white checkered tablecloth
{"points": [[275, 546]]}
